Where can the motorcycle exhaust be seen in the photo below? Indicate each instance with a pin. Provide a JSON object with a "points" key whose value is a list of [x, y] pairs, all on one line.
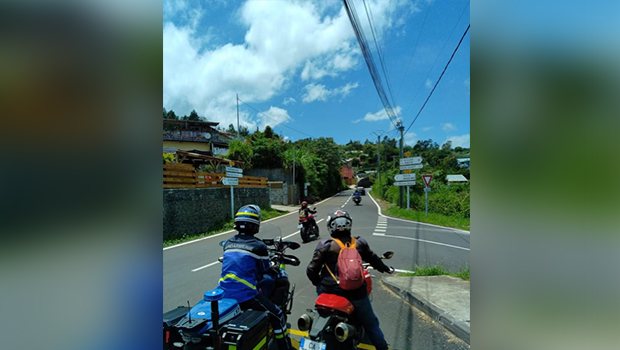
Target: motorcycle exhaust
{"points": [[305, 322], [344, 332]]}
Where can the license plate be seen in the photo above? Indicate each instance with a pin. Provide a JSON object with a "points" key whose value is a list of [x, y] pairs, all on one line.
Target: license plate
{"points": [[300, 226], [307, 344]]}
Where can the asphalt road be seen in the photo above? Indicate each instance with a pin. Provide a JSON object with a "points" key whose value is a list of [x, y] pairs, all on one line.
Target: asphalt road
{"points": [[191, 269]]}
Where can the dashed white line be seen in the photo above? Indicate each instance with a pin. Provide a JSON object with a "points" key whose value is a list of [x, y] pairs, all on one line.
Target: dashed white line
{"points": [[422, 240], [379, 230], [204, 267]]}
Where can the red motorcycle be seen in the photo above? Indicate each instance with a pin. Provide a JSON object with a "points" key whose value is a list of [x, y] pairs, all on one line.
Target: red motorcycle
{"points": [[308, 227], [333, 325]]}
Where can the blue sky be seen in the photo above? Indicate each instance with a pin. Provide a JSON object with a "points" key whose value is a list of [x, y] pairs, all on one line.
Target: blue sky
{"points": [[299, 63]]}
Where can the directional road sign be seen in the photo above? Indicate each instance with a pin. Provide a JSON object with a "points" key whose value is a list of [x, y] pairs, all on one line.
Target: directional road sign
{"points": [[234, 175], [404, 177], [427, 189], [230, 182], [427, 179], [410, 167], [410, 161], [404, 183], [230, 169]]}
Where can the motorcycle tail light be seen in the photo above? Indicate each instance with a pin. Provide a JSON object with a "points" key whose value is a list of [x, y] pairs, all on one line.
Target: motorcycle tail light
{"points": [[344, 331], [305, 322]]}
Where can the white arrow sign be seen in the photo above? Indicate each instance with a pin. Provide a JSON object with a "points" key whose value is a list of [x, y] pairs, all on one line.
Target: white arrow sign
{"points": [[410, 161], [234, 175], [404, 177], [230, 182], [411, 167], [404, 183], [230, 169]]}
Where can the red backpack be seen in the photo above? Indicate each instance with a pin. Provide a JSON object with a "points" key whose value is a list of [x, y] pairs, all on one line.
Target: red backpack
{"points": [[349, 266]]}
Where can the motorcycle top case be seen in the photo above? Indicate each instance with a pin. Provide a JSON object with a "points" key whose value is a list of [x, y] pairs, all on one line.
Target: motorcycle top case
{"points": [[201, 316], [247, 331], [171, 318]]}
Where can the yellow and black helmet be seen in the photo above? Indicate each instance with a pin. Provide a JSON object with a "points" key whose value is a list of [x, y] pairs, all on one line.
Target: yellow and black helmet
{"points": [[247, 219]]}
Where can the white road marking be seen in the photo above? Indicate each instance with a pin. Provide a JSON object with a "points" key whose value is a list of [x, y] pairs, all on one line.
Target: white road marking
{"points": [[456, 230], [378, 234], [231, 231], [379, 230], [380, 224], [204, 267], [423, 240]]}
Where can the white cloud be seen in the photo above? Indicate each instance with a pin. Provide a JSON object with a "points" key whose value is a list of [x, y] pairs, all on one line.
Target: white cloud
{"points": [[411, 138], [281, 40], [448, 127], [380, 115], [317, 92], [273, 117], [428, 83], [467, 82], [427, 128], [459, 141], [288, 101]]}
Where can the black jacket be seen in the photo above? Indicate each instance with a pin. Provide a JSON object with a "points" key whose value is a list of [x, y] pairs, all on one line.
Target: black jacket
{"points": [[326, 252]]}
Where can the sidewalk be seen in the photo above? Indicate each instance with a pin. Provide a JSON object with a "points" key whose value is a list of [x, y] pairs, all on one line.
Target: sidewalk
{"points": [[444, 298], [287, 208]]}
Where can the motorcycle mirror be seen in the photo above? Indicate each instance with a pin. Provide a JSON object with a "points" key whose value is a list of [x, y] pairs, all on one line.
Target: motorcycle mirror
{"points": [[222, 243], [220, 259], [387, 255], [293, 245]]}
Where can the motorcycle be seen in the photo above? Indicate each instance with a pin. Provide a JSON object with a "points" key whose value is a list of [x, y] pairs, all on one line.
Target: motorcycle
{"points": [[218, 323], [357, 200], [308, 227], [332, 325]]}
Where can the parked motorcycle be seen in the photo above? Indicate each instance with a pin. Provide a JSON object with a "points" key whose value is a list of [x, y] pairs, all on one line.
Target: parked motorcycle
{"points": [[332, 325], [218, 323], [308, 227]]}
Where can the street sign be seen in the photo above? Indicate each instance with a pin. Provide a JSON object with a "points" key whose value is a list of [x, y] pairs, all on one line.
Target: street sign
{"points": [[407, 154], [404, 177], [427, 189], [230, 169], [230, 182], [410, 161], [406, 171], [427, 179], [307, 184], [404, 183], [234, 175], [410, 167]]}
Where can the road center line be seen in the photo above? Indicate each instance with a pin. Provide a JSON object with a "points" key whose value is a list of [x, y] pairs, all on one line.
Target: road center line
{"points": [[422, 240], [204, 267]]}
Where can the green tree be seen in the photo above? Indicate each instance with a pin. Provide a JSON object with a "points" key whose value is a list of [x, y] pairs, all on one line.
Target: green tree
{"points": [[193, 115], [241, 151]]}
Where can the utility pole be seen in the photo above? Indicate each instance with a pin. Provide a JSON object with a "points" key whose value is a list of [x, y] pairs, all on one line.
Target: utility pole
{"points": [[238, 131], [294, 197], [401, 128], [378, 157]]}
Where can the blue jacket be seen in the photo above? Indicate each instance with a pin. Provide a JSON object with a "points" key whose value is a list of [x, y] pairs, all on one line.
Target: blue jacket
{"points": [[245, 261]]}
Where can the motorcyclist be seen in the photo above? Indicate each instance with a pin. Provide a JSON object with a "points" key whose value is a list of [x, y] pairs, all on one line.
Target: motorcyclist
{"points": [[304, 212], [245, 262], [357, 195], [339, 224]]}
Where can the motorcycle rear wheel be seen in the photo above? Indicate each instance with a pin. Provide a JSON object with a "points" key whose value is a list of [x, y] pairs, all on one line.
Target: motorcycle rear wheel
{"points": [[304, 235]]}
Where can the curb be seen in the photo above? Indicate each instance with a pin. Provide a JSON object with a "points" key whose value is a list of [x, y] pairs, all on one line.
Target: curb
{"points": [[458, 328], [379, 211]]}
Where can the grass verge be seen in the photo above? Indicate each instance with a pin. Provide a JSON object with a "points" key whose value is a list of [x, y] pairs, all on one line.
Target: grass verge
{"points": [[390, 209], [222, 226], [437, 271]]}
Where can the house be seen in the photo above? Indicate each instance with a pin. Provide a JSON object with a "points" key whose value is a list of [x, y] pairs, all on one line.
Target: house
{"points": [[194, 136], [346, 172], [453, 179], [463, 162]]}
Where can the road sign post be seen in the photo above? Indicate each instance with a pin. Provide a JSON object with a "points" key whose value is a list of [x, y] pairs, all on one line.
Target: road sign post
{"points": [[232, 179], [407, 198], [404, 183], [427, 180]]}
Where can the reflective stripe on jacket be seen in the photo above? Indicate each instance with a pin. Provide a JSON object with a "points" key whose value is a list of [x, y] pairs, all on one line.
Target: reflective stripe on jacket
{"points": [[245, 261]]}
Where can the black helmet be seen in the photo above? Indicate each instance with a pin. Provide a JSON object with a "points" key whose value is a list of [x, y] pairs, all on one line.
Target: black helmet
{"points": [[339, 223], [247, 219]]}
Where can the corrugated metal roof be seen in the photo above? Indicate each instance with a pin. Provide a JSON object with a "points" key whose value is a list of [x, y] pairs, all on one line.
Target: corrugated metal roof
{"points": [[455, 178]]}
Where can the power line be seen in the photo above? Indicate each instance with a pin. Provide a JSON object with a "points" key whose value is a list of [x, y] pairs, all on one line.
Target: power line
{"points": [[280, 123], [415, 47], [437, 58], [438, 80]]}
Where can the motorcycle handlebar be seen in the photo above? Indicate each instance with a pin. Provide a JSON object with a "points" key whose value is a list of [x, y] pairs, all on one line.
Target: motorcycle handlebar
{"points": [[290, 260]]}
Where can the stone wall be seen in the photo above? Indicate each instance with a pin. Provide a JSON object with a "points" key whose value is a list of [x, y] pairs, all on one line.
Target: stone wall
{"points": [[196, 210], [278, 194]]}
